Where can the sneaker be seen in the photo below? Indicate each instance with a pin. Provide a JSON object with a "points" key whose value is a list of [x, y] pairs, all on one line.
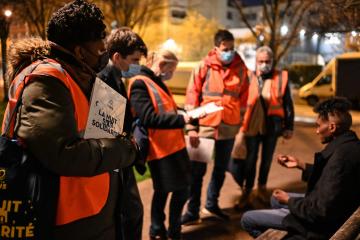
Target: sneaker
{"points": [[161, 236], [158, 234], [190, 219], [217, 212]]}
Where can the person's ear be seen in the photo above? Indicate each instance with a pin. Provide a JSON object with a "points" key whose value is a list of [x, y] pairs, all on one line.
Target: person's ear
{"points": [[116, 57], [332, 127], [78, 53]]}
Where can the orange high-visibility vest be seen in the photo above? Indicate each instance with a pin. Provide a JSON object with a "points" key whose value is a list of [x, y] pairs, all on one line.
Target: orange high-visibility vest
{"points": [[223, 89], [79, 197], [162, 142], [275, 103]]}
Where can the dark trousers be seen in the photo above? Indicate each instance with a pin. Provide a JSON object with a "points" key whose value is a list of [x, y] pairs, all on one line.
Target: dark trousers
{"points": [[158, 203], [237, 168], [252, 144], [222, 156], [131, 207]]}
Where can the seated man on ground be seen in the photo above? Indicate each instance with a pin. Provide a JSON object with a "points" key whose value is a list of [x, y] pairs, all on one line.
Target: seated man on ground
{"points": [[330, 198]]}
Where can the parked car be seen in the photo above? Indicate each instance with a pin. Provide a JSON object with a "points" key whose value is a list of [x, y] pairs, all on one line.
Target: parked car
{"points": [[180, 80], [340, 77]]}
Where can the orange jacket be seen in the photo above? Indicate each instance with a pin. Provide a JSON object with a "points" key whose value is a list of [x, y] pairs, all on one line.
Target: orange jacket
{"points": [[79, 197], [162, 142], [275, 103], [226, 87]]}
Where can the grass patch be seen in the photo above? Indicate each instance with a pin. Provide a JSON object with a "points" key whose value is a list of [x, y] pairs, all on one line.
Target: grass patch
{"points": [[146, 175]]}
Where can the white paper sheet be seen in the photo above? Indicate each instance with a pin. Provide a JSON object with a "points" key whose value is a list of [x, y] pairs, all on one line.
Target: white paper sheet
{"points": [[207, 108], [203, 153], [107, 112]]}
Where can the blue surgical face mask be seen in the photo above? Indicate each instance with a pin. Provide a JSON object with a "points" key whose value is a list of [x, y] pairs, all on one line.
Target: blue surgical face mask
{"points": [[227, 57], [134, 69]]}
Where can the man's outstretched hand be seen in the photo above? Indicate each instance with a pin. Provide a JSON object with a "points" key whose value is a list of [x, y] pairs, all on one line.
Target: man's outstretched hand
{"points": [[289, 161]]}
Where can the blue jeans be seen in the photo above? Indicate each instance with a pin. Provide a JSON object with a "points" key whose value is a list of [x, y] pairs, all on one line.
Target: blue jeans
{"points": [[252, 144], [178, 200], [257, 221], [198, 169]]}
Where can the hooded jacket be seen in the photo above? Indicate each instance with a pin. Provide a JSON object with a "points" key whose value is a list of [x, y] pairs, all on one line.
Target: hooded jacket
{"points": [[225, 85], [46, 124]]}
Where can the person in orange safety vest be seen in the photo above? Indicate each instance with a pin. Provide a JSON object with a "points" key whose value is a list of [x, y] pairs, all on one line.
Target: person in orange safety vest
{"points": [[156, 111], [57, 77], [221, 78], [269, 114]]}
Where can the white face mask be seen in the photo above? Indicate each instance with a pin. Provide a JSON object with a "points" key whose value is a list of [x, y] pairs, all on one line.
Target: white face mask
{"points": [[265, 68]]}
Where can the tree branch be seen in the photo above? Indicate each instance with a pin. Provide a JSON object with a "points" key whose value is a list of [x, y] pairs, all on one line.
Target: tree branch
{"points": [[244, 19]]}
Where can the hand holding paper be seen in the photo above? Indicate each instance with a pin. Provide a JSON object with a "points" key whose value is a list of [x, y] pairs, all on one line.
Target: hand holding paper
{"points": [[204, 110]]}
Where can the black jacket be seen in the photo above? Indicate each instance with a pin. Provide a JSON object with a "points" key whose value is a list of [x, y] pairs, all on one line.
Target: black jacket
{"points": [[145, 111], [47, 125], [112, 77], [333, 192], [130, 205], [170, 173]]}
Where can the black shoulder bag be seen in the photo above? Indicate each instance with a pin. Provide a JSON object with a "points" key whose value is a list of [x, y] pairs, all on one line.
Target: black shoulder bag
{"points": [[28, 192]]}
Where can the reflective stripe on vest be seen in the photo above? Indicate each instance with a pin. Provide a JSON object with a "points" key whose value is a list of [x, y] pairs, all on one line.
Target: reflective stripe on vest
{"points": [[162, 142], [228, 96], [275, 103], [79, 197], [157, 98]]}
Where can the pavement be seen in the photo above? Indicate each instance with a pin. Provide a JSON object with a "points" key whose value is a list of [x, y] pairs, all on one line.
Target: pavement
{"points": [[304, 115], [304, 143]]}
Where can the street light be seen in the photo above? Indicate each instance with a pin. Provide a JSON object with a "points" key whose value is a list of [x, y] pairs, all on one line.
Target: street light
{"points": [[4, 33], [315, 37], [171, 45], [7, 13], [284, 30], [302, 32]]}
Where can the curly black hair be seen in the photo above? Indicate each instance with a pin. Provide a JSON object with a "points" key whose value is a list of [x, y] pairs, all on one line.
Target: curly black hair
{"points": [[336, 106], [124, 41], [75, 23]]}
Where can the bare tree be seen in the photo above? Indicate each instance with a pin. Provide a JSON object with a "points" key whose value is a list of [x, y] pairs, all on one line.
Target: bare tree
{"points": [[132, 13], [334, 16], [37, 14], [277, 13], [4, 34]]}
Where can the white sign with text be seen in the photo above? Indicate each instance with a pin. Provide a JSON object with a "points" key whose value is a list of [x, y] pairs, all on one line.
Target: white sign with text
{"points": [[107, 112]]}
